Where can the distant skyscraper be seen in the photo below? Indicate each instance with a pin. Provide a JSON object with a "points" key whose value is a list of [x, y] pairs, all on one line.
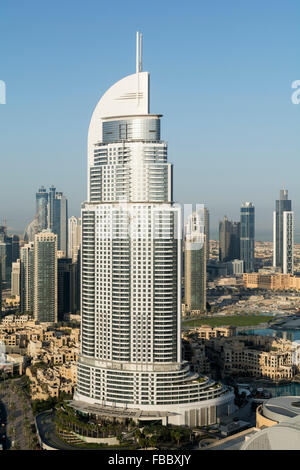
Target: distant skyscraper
{"points": [[15, 278], [283, 234], [66, 283], [41, 209], [288, 242], [229, 240], [0, 286], [45, 277], [247, 236], [58, 217], [3, 260], [27, 277], [31, 230], [195, 264], [206, 231], [74, 234], [235, 267], [9, 253]]}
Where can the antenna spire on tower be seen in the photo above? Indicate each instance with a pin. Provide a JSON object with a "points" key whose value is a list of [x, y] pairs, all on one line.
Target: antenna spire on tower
{"points": [[139, 49], [141, 53]]}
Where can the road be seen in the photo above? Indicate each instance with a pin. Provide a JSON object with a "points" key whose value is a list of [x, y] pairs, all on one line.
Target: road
{"points": [[19, 417], [3, 439], [45, 423]]}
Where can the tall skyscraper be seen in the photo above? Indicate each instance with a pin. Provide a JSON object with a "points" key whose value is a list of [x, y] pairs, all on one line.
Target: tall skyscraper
{"points": [[283, 234], [229, 240], [27, 277], [195, 265], [15, 278], [130, 362], [45, 277], [41, 209], [0, 286], [206, 232], [31, 230], [9, 253], [58, 217], [66, 283], [3, 260], [74, 237], [247, 236]]}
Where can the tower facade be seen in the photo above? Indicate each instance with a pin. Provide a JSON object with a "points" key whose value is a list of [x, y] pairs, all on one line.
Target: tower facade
{"points": [[41, 208], [195, 253], [283, 234], [45, 277], [15, 278], [207, 232], [58, 218], [74, 237], [131, 270], [229, 240], [27, 277], [288, 242], [247, 236]]}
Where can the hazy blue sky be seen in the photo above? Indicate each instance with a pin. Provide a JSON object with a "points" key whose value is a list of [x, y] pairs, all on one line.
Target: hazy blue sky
{"points": [[221, 74]]}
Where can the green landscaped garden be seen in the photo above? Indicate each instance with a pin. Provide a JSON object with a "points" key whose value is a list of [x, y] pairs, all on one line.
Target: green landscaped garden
{"points": [[235, 320]]}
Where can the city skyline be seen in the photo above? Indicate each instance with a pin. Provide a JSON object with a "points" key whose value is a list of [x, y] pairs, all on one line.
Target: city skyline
{"points": [[140, 305], [239, 84]]}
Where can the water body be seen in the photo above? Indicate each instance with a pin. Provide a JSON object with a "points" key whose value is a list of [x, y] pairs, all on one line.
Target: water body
{"points": [[292, 335], [291, 389]]}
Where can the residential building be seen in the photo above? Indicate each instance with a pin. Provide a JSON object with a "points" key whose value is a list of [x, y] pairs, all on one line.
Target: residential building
{"points": [[229, 240], [41, 209], [288, 242], [247, 236], [195, 253], [58, 217], [16, 278], [283, 234], [27, 277], [206, 232], [66, 280], [254, 356], [45, 277], [271, 281], [74, 240], [9, 253], [235, 267]]}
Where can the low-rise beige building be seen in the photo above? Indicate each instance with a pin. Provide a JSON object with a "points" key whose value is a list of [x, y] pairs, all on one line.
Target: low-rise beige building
{"points": [[271, 281], [254, 356], [207, 332]]}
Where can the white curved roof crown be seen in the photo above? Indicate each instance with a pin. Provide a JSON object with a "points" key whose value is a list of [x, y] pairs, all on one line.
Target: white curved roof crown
{"points": [[127, 97]]}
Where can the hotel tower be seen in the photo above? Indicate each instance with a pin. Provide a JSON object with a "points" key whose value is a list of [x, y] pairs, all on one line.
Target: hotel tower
{"points": [[130, 362]]}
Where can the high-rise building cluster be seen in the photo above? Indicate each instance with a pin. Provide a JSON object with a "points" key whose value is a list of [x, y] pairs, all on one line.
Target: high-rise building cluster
{"points": [[46, 275], [49, 281]]}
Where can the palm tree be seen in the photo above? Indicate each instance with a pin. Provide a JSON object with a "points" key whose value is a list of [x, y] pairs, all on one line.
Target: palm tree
{"points": [[153, 441]]}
